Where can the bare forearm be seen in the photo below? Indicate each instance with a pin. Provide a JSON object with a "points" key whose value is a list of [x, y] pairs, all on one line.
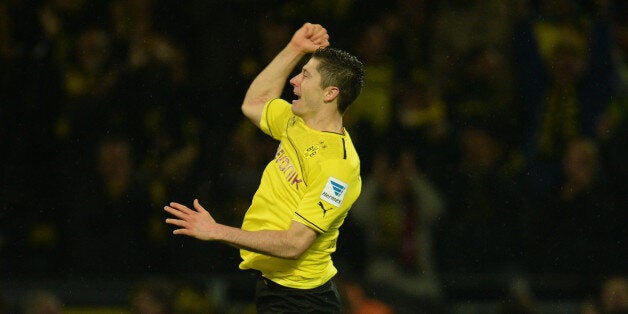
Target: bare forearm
{"points": [[270, 242], [270, 82], [199, 223]]}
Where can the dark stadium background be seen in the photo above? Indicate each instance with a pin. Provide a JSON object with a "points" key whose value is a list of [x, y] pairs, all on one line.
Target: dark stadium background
{"points": [[111, 109]]}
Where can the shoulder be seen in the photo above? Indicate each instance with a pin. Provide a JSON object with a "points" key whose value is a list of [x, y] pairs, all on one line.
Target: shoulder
{"points": [[275, 115], [276, 108], [335, 161]]}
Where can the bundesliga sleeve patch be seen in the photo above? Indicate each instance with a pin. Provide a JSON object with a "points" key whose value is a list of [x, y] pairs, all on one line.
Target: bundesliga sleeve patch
{"points": [[334, 191]]}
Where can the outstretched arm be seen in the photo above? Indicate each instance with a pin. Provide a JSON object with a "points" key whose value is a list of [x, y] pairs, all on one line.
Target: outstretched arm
{"points": [[198, 223], [270, 82]]}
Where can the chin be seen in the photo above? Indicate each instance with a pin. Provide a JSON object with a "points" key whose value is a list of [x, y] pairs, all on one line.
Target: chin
{"points": [[295, 109]]}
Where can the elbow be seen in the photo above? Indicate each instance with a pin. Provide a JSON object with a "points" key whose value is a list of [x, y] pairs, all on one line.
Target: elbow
{"points": [[251, 104], [296, 250], [294, 254], [252, 110], [246, 109], [297, 240]]}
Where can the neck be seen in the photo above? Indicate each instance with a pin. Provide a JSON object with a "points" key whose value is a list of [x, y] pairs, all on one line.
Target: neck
{"points": [[325, 123]]}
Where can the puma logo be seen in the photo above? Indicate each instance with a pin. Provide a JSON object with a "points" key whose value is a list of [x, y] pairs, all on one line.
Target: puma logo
{"points": [[323, 208]]}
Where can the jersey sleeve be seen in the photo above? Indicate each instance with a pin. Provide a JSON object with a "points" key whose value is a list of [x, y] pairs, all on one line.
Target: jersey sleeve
{"points": [[275, 116], [331, 193]]}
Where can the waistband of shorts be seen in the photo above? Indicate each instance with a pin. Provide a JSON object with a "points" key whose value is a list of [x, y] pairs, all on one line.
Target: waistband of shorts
{"points": [[273, 285]]}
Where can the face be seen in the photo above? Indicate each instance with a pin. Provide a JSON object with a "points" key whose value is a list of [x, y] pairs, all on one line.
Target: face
{"points": [[307, 88]]}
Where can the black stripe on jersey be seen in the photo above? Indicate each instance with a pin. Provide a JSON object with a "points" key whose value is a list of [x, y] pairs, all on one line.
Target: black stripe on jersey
{"points": [[344, 149], [317, 227]]}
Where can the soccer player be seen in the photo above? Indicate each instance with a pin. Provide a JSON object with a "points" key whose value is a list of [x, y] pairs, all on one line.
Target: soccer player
{"points": [[290, 230]]}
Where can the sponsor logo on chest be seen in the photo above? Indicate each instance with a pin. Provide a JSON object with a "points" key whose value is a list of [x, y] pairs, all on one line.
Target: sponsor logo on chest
{"points": [[287, 168]]}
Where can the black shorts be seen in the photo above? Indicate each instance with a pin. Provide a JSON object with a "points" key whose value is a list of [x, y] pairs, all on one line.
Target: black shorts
{"points": [[271, 297]]}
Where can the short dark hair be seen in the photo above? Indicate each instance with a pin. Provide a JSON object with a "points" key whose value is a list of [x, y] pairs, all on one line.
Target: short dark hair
{"points": [[342, 69]]}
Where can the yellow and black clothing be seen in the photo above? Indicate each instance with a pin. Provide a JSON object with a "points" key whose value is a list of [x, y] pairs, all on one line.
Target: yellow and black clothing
{"points": [[313, 179]]}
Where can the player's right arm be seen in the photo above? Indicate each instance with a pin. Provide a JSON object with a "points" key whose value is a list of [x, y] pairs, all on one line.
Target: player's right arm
{"points": [[270, 82], [200, 224]]}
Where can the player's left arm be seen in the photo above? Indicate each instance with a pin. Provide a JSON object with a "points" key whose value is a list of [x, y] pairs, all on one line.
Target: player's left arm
{"points": [[199, 223], [271, 81], [333, 187]]}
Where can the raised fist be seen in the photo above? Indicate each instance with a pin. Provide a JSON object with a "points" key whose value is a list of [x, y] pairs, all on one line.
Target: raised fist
{"points": [[310, 37]]}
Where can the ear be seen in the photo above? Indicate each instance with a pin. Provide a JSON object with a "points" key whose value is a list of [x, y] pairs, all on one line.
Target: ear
{"points": [[330, 93]]}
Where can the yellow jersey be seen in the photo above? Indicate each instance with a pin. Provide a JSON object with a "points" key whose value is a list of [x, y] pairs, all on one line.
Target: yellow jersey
{"points": [[314, 179]]}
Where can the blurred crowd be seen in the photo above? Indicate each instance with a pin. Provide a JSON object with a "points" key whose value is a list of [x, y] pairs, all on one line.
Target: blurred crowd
{"points": [[493, 136]]}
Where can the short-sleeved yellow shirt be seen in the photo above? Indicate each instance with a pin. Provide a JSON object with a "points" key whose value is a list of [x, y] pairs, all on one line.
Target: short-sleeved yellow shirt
{"points": [[313, 179]]}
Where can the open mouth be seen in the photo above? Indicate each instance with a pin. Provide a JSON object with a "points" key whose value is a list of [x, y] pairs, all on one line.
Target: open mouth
{"points": [[296, 99]]}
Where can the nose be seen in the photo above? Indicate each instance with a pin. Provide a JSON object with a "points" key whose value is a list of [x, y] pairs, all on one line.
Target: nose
{"points": [[295, 80]]}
